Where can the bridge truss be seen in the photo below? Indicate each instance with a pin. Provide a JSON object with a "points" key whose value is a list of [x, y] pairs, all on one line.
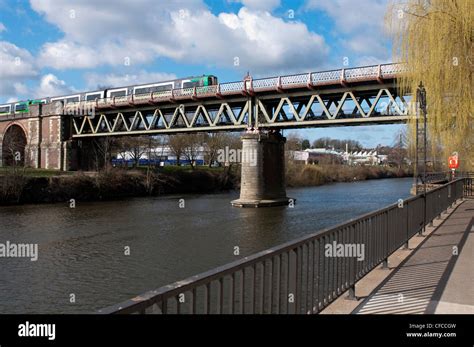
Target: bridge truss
{"points": [[358, 96]]}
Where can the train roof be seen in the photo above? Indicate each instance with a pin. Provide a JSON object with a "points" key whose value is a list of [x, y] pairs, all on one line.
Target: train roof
{"points": [[108, 88]]}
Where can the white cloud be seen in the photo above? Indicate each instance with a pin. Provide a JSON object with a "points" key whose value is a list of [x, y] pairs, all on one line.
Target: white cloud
{"points": [[97, 81], [2, 27], [16, 67], [108, 32], [260, 41], [265, 5], [66, 54], [16, 62], [50, 85]]}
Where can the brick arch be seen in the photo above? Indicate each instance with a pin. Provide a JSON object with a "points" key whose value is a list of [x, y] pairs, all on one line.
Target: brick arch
{"points": [[13, 144], [7, 124]]}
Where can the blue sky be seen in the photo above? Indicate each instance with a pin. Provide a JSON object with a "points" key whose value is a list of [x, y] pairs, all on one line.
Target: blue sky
{"points": [[56, 47]]}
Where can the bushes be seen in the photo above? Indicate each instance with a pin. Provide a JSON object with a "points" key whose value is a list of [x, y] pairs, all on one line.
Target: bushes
{"points": [[113, 184], [299, 175], [11, 187]]}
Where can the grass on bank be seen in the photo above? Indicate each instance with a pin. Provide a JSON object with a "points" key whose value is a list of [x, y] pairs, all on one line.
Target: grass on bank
{"points": [[168, 169], [30, 172]]}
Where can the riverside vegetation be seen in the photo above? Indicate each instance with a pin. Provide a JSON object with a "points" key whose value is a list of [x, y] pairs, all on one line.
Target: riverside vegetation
{"points": [[41, 186]]}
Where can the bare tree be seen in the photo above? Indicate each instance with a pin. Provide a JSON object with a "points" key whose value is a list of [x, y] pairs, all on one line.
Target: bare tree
{"points": [[136, 147], [161, 142], [293, 142], [177, 145], [214, 143], [15, 160], [193, 146], [102, 148]]}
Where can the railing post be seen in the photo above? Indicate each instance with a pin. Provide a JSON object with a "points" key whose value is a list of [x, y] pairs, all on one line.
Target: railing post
{"points": [[351, 293], [406, 245]]}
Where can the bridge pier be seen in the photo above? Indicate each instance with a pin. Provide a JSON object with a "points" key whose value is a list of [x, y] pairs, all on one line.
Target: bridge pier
{"points": [[33, 147], [263, 171]]}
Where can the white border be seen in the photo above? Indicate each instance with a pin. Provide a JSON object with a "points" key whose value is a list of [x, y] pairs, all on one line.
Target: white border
{"points": [[153, 85], [72, 96], [182, 83], [117, 90], [94, 93], [17, 103], [9, 105]]}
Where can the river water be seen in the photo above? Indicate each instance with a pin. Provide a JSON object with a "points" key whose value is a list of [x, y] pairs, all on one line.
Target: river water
{"points": [[84, 264]]}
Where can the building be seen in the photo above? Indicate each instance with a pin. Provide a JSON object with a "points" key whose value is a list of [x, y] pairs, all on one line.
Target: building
{"points": [[364, 158], [332, 156], [160, 155]]}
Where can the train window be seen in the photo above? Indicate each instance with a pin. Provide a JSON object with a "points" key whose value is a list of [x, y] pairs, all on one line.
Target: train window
{"points": [[191, 84], [163, 88], [21, 107], [37, 102], [117, 93], [5, 109], [71, 99], [152, 89], [90, 97]]}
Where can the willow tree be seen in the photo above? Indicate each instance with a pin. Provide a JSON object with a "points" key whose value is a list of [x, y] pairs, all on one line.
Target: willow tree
{"points": [[435, 38]]}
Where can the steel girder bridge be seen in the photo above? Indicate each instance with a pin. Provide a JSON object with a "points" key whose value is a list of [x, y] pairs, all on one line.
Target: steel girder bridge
{"points": [[354, 96]]}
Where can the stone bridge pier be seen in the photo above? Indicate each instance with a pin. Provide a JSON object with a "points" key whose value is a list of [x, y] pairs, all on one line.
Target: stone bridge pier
{"points": [[263, 170]]}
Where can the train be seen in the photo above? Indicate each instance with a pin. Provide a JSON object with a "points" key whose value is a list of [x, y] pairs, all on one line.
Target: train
{"points": [[188, 82]]}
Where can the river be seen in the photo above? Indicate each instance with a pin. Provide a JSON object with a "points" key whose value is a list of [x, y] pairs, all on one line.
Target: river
{"points": [[101, 253]]}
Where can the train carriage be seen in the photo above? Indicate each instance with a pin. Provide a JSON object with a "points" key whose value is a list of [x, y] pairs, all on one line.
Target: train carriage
{"points": [[119, 93]]}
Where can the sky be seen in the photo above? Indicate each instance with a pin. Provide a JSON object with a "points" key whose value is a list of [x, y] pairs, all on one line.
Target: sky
{"points": [[57, 47]]}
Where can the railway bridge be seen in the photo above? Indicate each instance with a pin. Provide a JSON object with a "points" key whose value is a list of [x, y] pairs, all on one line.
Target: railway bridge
{"points": [[52, 135]]}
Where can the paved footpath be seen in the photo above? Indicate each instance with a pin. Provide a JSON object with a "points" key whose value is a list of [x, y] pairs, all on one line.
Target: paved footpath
{"points": [[438, 277]]}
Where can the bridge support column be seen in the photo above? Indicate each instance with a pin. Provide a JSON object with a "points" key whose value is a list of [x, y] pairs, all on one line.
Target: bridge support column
{"points": [[33, 149], [70, 162], [1, 149], [51, 144], [263, 171]]}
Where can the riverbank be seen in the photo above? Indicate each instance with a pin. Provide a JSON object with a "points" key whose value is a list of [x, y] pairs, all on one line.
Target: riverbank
{"points": [[298, 175], [111, 185], [27, 187]]}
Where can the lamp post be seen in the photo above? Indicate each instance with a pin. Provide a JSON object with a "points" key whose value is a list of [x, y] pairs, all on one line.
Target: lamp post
{"points": [[421, 101]]}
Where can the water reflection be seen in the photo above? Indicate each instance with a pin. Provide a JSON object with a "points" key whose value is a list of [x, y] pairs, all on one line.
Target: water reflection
{"points": [[81, 251]]}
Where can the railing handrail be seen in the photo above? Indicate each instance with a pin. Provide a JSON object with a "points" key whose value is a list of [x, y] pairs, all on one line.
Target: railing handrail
{"points": [[230, 268]]}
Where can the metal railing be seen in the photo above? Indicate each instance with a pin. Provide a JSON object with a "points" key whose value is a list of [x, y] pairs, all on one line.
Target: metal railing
{"points": [[436, 176], [469, 185], [299, 276]]}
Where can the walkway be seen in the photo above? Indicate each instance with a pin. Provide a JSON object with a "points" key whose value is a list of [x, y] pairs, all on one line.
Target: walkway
{"points": [[437, 277]]}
